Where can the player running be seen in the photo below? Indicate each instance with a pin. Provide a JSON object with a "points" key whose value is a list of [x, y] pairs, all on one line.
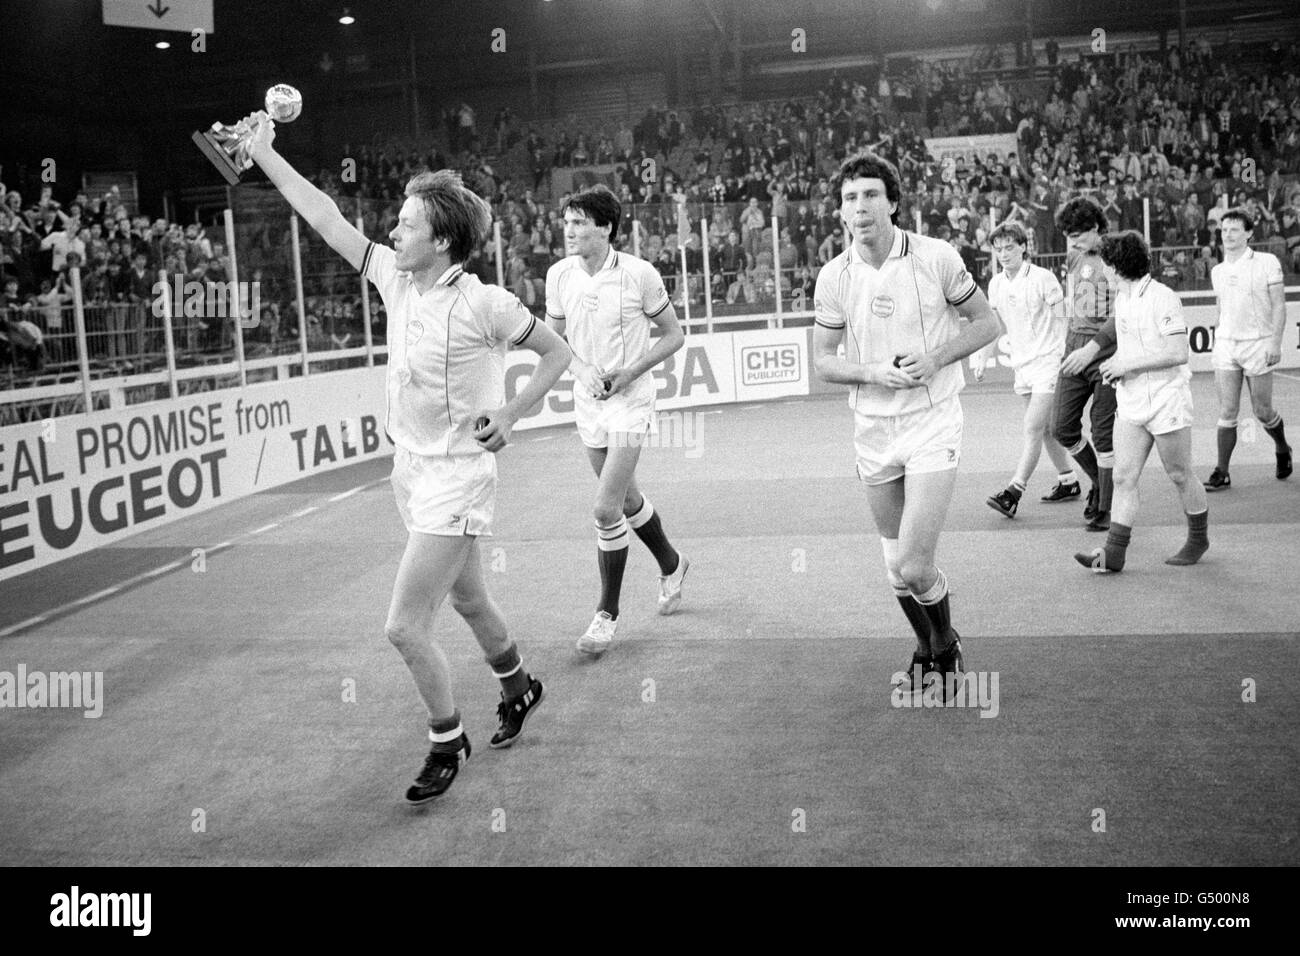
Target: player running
{"points": [[1088, 303], [1154, 394], [1027, 298], [1248, 341], [899, 297], [447, 337], [607, 301]]}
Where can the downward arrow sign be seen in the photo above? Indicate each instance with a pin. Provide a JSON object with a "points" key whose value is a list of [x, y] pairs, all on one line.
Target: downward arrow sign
{"points": [[157, 9]]}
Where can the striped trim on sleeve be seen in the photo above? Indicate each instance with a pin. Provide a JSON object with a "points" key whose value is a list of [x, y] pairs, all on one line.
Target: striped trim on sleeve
{"points": [[365, 259], [968, 293], [528, 330]]}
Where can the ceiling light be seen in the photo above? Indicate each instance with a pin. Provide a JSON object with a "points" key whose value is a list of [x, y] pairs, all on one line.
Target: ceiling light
{"points": [[347, 19]]}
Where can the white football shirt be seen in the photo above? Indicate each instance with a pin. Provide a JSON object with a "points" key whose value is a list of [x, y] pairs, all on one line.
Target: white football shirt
{"points": [[1025, 302], [607, 315], [907, 305], [1146, 312], [1245, 310], [446, 353]]}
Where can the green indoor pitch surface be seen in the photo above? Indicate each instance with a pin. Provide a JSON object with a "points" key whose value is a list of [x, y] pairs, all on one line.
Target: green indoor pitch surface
{"points": [[755, 726]]}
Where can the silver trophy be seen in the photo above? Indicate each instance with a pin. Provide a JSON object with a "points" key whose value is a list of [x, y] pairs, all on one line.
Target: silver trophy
{"points": [[227, 146]]}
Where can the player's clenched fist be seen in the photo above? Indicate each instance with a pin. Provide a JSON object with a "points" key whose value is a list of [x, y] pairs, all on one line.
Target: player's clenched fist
{"points": [[920, 366], [263, 132], [588, 377], [888, 375]]}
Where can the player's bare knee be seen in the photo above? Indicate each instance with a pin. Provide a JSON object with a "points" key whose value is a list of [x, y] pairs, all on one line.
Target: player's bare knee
{"points": [[607, 513], [1264, 410], [401, 634], [917, 572], [469, 606], [1125, 480], [1177, 474]]}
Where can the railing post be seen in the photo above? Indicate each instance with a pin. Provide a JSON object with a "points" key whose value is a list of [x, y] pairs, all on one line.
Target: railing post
{"points": [[83, 358], [776, 267], [169, 337], [708, 276], [500, 253], [238, 305]]}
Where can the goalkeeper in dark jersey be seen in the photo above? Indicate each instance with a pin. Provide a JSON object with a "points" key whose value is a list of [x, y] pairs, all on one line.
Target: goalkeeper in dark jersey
{"points": [[1089, 304]]}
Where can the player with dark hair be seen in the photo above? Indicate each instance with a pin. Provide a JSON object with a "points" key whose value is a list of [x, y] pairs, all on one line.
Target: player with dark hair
{"points": [[1027, 298], [895, 300], [607, 302], [1089, 304], [447, 416], [1154, 396], [1248, 340]]}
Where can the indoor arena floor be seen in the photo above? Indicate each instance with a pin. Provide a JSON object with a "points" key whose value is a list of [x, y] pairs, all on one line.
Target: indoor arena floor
{"points": [[755, 726]]}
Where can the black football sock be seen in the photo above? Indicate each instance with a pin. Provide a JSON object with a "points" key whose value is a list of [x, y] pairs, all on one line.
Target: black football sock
{"points": [[445, 733], [934, 603], [509, 670], [1116, 548], [1087, 459], [1198, 540], [1227, 442], [1277, 432], [611, 556], [917, 617], [1105, 488], [1109, 557], [645, 522]]}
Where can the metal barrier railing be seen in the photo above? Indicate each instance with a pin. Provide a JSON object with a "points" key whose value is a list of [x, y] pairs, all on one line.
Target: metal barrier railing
{"points": [[301, 309]]}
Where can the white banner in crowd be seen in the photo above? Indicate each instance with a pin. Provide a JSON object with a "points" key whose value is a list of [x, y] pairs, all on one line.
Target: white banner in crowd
{"points": [[71, 484], [971, 147]]}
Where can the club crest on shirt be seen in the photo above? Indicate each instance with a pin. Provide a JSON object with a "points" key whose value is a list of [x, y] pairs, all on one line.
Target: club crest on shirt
{"points": [[1085, 272], [414, 332], [1232, 280], [882, 306]]}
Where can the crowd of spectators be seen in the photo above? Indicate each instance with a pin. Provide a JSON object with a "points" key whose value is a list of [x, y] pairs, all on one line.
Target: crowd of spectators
{"points": [[118, 255], [1163, 141], [1189, 132]]}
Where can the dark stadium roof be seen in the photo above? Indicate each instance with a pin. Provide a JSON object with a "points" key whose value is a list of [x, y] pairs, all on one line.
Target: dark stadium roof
{"points": [[60, 52]]}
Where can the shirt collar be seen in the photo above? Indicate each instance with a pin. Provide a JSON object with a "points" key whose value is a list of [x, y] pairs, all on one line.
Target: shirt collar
{"points": [[450, 276], [1137, 288], [900, 248]]}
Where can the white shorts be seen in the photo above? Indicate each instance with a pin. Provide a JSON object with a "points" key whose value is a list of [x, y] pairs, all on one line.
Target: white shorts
{"points": [[1171, 411], [596, 419], [889, 447], [1247, 355], [1038, 376], [445, 495]]}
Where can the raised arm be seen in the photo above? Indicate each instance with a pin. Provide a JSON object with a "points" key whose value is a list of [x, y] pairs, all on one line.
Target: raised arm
{"points": [[307, 201]]}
